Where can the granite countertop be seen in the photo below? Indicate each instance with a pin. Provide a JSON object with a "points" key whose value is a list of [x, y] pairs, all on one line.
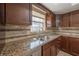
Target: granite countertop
{"points": [[35, 44], [27, 45], [31, 43], [38, 43]]}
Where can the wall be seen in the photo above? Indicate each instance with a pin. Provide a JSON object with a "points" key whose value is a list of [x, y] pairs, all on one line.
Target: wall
{"points": [[14, 40], [58, 18]]}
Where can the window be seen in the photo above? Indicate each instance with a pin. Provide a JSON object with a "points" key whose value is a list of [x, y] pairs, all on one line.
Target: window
{"points": [[37, 24], [38, 19]]}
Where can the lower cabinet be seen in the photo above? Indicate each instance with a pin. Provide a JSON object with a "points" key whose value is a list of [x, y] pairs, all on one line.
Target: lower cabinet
{"points": [[65, 43], [49, 49], [53, 50], [57, 42], [74, 46], [46, 52], [70, 45]]}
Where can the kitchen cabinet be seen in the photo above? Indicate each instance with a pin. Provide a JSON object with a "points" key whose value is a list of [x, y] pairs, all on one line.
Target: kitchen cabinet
{"points": [[53, 50], [70, 19], [70, 45], [74, 21], [65, 43], [57, 42], [65, 19], [2, 19], [51, 21], [17, 13], [47, 52], [49, 49], [74, 46]]}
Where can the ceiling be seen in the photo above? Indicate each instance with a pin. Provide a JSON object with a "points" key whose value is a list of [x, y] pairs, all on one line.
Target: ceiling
{"points": [[61, 8]]}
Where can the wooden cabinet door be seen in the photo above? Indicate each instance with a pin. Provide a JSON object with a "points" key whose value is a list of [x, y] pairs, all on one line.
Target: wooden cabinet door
{"points": [[49, 49], [74, 46], [46, 49], [53, 50], [51, 21], [57, 42], [47, 52], [65, 20], [2, 20], [74, 21], [18, 13], [65, 43]]}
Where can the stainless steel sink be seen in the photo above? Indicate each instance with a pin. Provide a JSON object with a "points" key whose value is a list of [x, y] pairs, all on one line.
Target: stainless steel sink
{"points": [[38, 41]]}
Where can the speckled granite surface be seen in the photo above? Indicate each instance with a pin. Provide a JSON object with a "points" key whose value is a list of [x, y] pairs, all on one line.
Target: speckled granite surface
{"points": [[15, 48], [19, 46]]}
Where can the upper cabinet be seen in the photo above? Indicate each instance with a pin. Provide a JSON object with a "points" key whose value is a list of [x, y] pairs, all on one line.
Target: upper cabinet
{"points": [[70, 19], [51, 22], [2, 21], [17, 14], [74, 21], [65, 20], [21, 14]]}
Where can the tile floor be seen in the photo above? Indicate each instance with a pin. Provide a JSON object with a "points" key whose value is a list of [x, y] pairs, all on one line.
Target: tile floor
{"points": [[61, 53]]}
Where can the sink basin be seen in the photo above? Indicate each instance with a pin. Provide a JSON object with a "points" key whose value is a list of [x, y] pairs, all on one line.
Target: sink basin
{"points": [[36, 43]]}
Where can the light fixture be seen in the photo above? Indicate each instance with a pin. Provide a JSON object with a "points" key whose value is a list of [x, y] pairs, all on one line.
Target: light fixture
{"points": [[74, 4]]}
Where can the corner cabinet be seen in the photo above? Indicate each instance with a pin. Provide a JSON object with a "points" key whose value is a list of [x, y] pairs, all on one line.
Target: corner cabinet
{"points": [[65, 19], [17, 13]]}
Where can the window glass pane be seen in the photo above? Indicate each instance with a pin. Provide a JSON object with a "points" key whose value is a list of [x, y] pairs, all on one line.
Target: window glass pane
{"points": [[37, 19], [37, 24]]}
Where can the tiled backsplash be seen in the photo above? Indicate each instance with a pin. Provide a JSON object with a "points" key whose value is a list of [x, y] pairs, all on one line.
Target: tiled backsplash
{"points": [[17, 41], [68, 28]]}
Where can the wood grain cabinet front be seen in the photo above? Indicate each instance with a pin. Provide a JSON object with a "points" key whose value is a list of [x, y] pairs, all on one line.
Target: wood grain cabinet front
{"points": [[53, 50], [65, 19], [70, 45], [74, 46], [47, 52], [65, 43], [70, 19], [2, 20], [16, 13], [49, 49], [74, 21], [51, 21]]}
